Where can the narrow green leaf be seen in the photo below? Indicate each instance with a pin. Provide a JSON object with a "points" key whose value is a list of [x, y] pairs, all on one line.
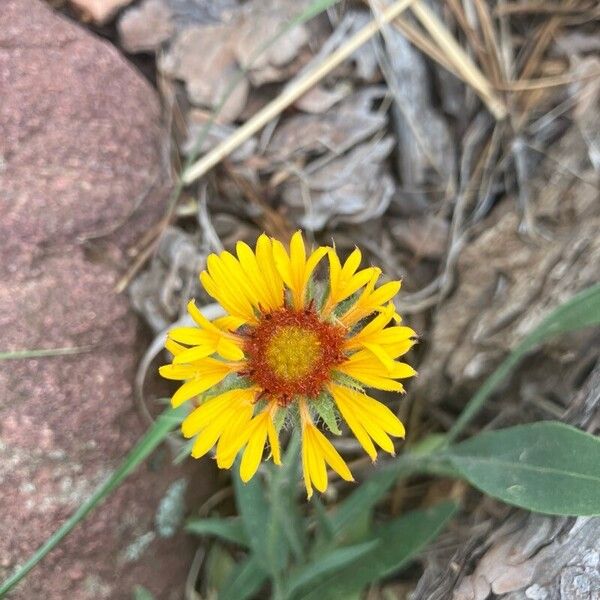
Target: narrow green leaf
{"points": [[369, 492], [44, 352], [141, 593], [546, 467], [219, 566], [230, 530], [326, 566], [399, 541], [583, 310], [283, 496], [246, 581], [266, 539], [152, 438]]}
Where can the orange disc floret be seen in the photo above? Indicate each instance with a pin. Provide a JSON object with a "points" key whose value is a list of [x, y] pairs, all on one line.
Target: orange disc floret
{"points": [[292, 352]]}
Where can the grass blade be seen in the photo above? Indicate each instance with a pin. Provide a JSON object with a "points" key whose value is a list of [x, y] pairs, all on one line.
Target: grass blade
{"points": [[153, 437], [583, 310], [44, 352], [230, 530], [398, 542], [245, 582], [328, 564]]}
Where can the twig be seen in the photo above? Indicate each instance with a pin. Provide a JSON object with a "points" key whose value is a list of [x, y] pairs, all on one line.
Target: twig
{"points": [[459, 58], [292, 93]]}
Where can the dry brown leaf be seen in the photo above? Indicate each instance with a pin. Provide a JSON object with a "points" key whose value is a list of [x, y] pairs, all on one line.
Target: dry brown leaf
{"points": [[352, 189], [320, 99], [203, 57], [336, 130], [145, 27], [197, 126], [253, 45]]}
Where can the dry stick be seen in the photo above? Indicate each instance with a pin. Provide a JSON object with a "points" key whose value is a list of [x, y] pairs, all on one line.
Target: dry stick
{"points": [[460, 59], [490, 41], [289, 96]]}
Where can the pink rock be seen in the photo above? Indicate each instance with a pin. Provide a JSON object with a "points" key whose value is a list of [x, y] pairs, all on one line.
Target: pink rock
{"points": [[80, 145]]}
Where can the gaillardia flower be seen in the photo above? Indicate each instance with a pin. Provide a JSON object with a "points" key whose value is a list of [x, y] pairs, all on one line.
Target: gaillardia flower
{"points": [[291, 351]]}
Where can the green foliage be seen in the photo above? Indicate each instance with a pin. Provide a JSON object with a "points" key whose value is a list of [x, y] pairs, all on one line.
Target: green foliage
{"points": [[544, 467], [583, 310], [329, 565], [230, 530], [220, 565], [325, 408], [393, 544], [245, 581]]}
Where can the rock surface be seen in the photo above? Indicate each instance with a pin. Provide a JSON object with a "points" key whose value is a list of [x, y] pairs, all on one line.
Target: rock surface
{"points": [[79, 151]]}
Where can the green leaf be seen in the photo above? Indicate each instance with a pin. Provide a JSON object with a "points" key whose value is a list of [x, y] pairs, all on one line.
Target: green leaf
{"points": [[399, 541], [283, 493], [230, 530], [325, 408], [44, 352], [152, 438], [218, 569], [265, 537], [141, 593], [368, 493], [246, 581], [326, 565], [545, 467], [583, 310]]}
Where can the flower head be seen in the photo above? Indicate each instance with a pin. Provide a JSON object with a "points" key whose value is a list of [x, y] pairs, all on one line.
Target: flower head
{"points": [[289, 351]]}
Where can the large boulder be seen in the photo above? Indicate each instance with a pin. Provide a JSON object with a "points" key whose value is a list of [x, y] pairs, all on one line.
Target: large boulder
{"points": [[79, 157]]}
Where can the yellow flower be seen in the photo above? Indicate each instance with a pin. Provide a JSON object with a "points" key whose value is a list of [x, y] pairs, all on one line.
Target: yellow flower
{"points": [[290, 351]]}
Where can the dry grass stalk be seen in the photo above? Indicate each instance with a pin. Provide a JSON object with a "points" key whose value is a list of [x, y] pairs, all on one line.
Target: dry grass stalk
{"points": [[292, 93], [420, 41], [460, 59]]}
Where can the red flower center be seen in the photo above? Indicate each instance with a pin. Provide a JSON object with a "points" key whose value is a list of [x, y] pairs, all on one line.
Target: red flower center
{"points": [[291, 353]]}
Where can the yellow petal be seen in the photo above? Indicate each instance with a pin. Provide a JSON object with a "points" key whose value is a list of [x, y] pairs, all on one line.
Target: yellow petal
{"points": [[316, 461], [266, 262], [305, 466], [382, 415], [197, 386], [229, 323], [173, 347], [234, 437], [229, 349], [331, 455], [378, 435], [192, 336], [193, 354], [199, 318], [201, 417], [283, 263], [254, 450], [352, 263], [177, 372], [187, 391], [381, 355], [273, 441], [346, 409], [402, 371], [234, 304]]}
